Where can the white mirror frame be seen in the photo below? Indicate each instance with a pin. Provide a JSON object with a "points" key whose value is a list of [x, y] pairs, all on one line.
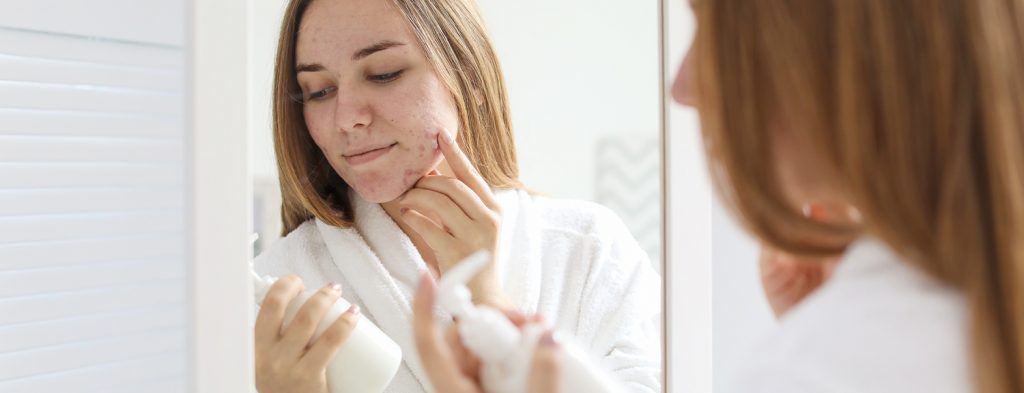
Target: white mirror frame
{"points": [[220, 358], [686, 228]]}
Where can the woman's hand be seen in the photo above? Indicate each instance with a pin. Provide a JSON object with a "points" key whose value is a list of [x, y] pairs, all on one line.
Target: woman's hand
{"points": [[286, 360], [457, 216], [453, 369], [788, 279]]}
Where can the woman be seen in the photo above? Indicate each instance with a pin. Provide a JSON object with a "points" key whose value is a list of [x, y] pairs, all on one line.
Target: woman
{"points": [[909, 112], [395, 156]]}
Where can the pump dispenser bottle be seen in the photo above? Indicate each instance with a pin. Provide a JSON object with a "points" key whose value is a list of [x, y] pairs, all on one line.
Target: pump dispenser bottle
{"points": [[506, 351]]}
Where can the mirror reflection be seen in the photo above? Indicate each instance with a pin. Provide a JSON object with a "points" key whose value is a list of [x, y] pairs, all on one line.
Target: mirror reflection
{"points": [[417, 163]]}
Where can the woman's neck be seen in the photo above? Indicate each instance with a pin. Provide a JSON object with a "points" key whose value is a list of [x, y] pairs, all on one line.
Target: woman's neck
{"points": [[395, 212]]}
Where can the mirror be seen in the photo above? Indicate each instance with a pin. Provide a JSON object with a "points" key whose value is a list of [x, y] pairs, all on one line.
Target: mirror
{"points": [[584, 88]]}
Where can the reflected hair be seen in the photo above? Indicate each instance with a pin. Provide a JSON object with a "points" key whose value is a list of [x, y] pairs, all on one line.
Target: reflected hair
{"points": [[453, 37], [915, 106]]}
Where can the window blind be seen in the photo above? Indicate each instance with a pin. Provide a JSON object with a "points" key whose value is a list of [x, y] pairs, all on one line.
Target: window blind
{"points": [[92, 208]]}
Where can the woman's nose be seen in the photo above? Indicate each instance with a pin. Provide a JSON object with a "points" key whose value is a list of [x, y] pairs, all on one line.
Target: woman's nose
{"points": [[683, 86], [351, 112]]}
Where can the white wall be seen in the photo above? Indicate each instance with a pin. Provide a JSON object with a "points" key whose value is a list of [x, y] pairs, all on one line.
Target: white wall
{"points": [[577, 70], [583, 83], [264, 23], [689, 228], [741, 313], [222, 354]]}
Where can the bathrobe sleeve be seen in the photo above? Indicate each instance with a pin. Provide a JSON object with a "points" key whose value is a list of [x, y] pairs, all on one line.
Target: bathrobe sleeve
{"points": [[621, 306]]}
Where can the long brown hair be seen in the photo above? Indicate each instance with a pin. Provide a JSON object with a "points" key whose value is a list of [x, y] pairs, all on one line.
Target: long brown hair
{"points": [[452, 35], [916, 107]]}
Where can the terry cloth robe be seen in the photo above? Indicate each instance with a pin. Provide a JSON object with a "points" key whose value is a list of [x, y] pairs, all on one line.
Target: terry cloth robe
{"points": [[572, 261]]}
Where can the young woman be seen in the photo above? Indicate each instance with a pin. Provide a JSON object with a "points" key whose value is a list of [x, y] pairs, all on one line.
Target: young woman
{"points": [[396, 156], [909, 113]]}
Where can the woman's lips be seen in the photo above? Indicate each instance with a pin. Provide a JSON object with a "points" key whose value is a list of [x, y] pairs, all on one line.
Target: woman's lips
{"points": [[363, 158]]}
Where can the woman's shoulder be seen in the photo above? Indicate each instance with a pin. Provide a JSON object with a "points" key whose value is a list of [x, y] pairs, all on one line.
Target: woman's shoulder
{"points": [[878, 325], [575, 216]]}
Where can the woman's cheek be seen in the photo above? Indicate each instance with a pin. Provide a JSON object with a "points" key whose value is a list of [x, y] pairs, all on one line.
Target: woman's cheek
{"points": [[421, 157]]}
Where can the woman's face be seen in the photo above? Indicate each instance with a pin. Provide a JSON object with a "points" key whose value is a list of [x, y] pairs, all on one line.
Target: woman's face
{"points": [[372, 101]]}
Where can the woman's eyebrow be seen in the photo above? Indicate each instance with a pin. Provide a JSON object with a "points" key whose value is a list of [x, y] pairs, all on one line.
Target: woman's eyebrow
{"points": [[386, 44], [308, 68], [362, 53]]}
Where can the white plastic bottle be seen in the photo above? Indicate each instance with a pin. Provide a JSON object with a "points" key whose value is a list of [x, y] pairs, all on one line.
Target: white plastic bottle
{"points": [[368, 359], [505, 351]]}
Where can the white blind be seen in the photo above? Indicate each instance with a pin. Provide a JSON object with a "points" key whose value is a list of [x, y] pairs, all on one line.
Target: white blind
{"points": [[92, 205]]}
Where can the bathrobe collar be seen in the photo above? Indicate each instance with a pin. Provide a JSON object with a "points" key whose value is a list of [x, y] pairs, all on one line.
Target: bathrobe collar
{"points": [[383, 269]]}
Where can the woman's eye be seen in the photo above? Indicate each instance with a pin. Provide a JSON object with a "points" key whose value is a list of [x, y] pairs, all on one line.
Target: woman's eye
{"points": [[385, 78], [319, 94]]}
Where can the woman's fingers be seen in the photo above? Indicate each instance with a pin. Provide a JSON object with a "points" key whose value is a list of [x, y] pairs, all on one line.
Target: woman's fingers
{"points": [[326, 346], [435, 356], [300, 330], [468, 363], [268, 322], [463, 197], [436, 236], [438, 206], [464, 169], [546, 371], [515, 316]]}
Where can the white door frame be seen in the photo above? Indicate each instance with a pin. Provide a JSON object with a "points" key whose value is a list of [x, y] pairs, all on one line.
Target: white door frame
{"points": [[220, 358]]}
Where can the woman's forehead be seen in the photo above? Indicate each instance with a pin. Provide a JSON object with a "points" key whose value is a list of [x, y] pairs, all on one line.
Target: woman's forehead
{"points": [[340, 28]]}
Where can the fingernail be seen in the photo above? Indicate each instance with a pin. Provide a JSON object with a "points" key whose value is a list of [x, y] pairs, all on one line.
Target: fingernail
{"points": [[353, 309], [335, 286], [548, 340], [447, 137]]}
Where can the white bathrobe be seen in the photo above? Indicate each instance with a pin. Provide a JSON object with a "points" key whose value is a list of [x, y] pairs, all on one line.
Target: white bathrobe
{"points": [[572, 261]]}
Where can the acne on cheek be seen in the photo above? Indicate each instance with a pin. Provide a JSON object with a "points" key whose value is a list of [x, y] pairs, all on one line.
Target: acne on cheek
{"points": [[372, 186], [410, 176]]}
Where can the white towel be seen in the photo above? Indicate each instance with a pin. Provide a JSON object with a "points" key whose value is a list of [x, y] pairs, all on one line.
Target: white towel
{"points": [[572, 261]]}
